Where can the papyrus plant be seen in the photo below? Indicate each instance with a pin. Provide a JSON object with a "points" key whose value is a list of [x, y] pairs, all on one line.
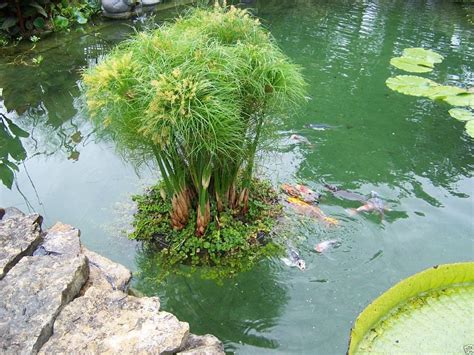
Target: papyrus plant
{"points": [[196, 96]]}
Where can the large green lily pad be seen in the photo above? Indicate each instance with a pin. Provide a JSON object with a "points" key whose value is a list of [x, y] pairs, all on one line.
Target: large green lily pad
{"points": [[417, 60], [429, 312], [461, 114], [445, 91], [411, 85], [470, 128], [423, 54]]}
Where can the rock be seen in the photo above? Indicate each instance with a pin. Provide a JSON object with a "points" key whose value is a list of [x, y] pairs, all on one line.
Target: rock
{"points": [[115, 323], [105, 274], [19, 236], [202, 345], [61, 239], [116, 6], [31, 296], [2, 212]]}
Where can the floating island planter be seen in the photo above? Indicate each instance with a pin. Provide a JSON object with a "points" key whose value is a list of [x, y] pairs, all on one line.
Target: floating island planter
{"points": [[427, 313], [198, 97]]}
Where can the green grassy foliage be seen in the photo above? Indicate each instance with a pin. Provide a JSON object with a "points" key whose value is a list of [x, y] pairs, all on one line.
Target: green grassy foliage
{"points": [[196, 95]]}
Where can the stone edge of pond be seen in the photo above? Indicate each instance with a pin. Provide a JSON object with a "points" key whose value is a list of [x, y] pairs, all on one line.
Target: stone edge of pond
{"points": [[58, 297]]}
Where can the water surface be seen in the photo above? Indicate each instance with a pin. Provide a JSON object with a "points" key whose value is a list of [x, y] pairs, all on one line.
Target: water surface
{"points": [[407, 149]]}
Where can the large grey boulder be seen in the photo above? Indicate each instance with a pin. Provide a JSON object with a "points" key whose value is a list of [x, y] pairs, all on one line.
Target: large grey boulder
{"points": [[202, 345], [31, 296], [19, 236], [105, 274], [115, 323]]}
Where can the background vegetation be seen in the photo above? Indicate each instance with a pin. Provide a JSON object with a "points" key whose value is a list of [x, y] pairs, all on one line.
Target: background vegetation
{"points": [[26, 18]]}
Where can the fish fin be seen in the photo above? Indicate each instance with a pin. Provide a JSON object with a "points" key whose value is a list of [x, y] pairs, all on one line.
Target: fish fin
{"points": [[287, 261]]}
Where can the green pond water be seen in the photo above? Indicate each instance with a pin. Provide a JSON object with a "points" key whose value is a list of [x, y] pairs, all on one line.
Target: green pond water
{"points": [[408, 149]]}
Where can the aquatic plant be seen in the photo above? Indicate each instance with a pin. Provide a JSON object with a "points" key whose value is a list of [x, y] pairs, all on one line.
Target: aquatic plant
{"points": [[232, 244], [420, 60], [426, 310], [198, 96]]}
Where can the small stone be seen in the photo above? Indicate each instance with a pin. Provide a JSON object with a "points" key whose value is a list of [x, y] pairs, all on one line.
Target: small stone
{"points": [[105, 274], [19, 236], [115, 323], [62, 239]]}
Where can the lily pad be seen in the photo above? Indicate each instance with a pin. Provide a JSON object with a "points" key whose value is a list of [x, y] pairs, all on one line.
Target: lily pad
{"points": [[417, 60], [470, 128], [444, 91], [423, 54], [463, 99], [461, 114], [413, 65], [411, 85], [429, 311]]}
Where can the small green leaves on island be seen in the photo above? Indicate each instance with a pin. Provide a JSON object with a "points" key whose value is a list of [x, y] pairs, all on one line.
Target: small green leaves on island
{"points": [[429, 312], [417, 60], [420, 60]]}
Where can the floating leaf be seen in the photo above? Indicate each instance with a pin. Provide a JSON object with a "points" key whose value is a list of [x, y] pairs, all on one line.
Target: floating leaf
{"points": [[444, 91], [426, 312], [461, 114], [423, 54], [411, 85], [470, 128], [413, 65], [463, 99]]}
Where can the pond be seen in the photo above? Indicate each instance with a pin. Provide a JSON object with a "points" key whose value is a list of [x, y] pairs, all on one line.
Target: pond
{"points": [[408, 149]]}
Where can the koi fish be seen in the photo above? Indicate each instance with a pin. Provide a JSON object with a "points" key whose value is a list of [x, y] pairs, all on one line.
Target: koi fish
{"points": [[375, 203], [325, 245], [319, 126], [294, 259], [310, 210], [346, 195], [301, 192], [299, 139]]}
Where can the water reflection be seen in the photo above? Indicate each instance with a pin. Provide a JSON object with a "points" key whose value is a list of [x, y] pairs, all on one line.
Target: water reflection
{"points": [[242, 310]]}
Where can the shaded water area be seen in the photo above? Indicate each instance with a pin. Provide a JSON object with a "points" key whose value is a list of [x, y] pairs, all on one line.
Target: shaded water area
{"points": [[407, 149]]}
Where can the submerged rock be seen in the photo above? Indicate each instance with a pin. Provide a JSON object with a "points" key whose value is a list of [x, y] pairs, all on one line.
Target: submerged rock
{"points": [[115, 323], [19, 236], [31, 296]]}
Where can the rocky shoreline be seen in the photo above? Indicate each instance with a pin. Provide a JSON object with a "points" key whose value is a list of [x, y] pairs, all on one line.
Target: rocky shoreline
{"points": [[58, 297]]}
